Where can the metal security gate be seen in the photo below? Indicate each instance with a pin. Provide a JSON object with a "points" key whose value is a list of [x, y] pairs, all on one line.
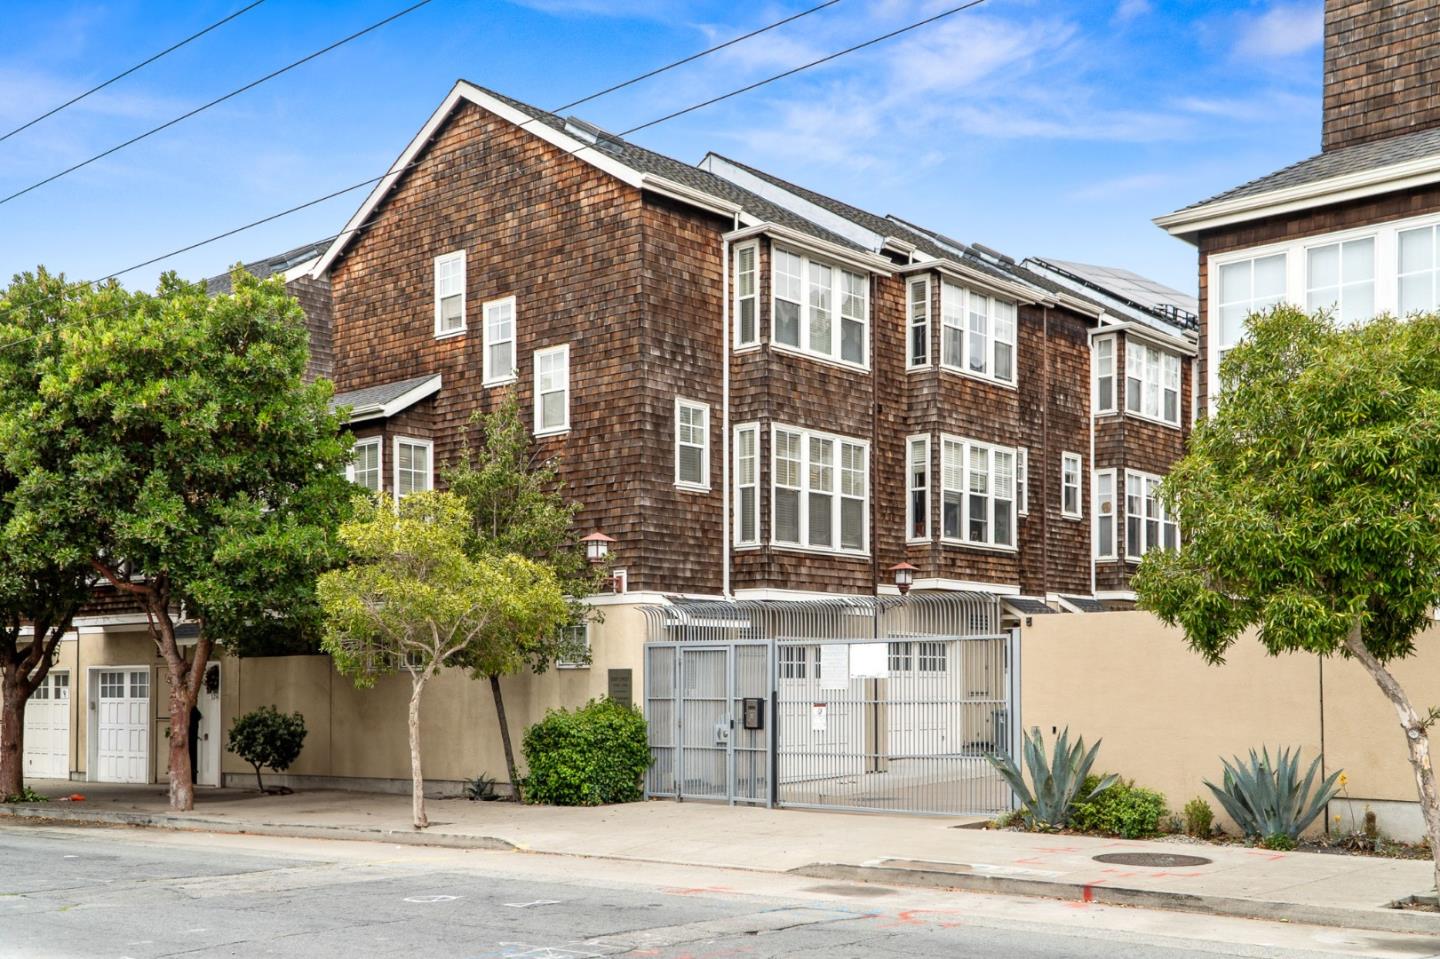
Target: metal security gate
{"points": [[855, 703]]}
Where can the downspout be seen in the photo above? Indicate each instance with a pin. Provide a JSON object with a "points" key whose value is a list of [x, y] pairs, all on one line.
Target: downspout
{"points": [[1090, 407], [1045, 450], [725, 413]]}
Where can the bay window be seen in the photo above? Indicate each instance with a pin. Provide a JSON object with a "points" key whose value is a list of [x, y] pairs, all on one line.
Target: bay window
{"points": [[820, 490], [747, 485], [1104, 356], [917, 293], [747, 295], [820, 309], [364, 468], [1104, 513], [1342, 276], [413, 461], [1152, 382], [917, 501], [977, 493], [1148, 524], [977, 333]]}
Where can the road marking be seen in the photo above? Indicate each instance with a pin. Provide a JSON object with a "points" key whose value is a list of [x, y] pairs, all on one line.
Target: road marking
{"points": [[430, 899], [537, 902]]}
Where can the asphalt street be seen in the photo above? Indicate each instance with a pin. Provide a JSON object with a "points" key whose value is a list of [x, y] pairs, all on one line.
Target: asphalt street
{"points": [[74, 892]]}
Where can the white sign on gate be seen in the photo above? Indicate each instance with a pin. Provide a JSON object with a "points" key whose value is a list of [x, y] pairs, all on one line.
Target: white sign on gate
{"points": [[870, 661], [835, 666]]}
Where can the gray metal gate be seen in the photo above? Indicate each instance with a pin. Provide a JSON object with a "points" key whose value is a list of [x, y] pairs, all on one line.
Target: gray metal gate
{"points": [[855, 703]]}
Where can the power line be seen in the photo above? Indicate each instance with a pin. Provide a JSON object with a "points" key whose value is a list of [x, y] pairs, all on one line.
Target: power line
{"points": [[401, 169], [218, 100], [122, 75]]}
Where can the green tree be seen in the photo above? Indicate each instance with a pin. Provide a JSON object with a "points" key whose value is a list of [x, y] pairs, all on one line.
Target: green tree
{"points": [[1310, 506], [412, 598], [267, 737], [45, 573], [517, 505], [177, 428]]}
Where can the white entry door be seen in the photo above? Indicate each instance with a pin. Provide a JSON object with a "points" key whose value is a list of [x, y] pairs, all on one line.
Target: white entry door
{"points": [[123, 726], [207, 750], [47, 729]]}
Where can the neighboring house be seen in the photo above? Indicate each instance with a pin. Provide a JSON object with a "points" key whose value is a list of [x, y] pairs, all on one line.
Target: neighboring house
{"points": [[1352, 228]]}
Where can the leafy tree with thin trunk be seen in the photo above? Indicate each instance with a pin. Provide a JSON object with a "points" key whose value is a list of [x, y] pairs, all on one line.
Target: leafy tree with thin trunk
{"points": [[178, 429], [413, 599], [1310, 506], [517, 505], [45, 575]]}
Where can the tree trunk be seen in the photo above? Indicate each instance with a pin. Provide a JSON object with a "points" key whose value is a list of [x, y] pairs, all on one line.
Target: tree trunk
{"points": [[186, 677], [21, 673], [1417, 739], [417, 781], [258, 781], [505, 737], [12, 740]]}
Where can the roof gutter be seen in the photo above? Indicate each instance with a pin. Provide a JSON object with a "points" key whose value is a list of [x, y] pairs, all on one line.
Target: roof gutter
{"points": [[979, 278], [834, 251], [1142, 332]]}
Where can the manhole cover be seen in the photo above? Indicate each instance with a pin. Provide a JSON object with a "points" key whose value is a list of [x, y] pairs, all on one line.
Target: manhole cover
{"points": [[1159, 860]]}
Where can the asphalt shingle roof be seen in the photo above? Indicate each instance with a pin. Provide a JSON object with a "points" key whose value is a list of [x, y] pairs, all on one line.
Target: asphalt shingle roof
{"points": [[378, 395], [1324, 166], [271, 265]]}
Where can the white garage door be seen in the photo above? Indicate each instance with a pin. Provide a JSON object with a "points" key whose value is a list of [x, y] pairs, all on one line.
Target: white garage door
{"points": [[47, 729], [123, 753]]}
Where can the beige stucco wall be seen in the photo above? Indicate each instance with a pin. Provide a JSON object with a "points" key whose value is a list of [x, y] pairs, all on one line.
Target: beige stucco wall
{"points": [[362, 734], [1166, 716]]}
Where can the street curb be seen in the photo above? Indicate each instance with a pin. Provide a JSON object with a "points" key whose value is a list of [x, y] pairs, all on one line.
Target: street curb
{"points": [[1375, 920], [198, 824]]}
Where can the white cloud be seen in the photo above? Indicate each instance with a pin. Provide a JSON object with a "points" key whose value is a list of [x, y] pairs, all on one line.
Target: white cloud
{"points": [[1130, 9], [1282, 31], [1106, 190]]}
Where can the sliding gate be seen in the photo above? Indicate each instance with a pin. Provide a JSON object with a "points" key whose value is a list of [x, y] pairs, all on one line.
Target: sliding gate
{"points": [[869, 704]]}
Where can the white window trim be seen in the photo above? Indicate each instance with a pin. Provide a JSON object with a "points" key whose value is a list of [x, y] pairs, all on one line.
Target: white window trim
{"points": [[910, 324], [562, 664], [740, 542], [535, 371], [1101, 518], [967, 445], [395, 461], [488, 374], [1164, 518], [837, 286], [804, 516], [1073, 459], [754, 248], [464, 293], [1165, 356], [910, 441], [1095, 379], [964, 369], [379, 443], [681, 484]]}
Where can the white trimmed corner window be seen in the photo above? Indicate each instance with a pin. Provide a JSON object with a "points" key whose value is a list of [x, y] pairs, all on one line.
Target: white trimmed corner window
{"points": [[819, 309], [977, 493], [1104, 518], [1244, 287], [692, 445], [917, 309], [414, 466], [499, 360], [450, 294], [1071, 467], [820, 491], [552, 390], [1103, 355], [1419, 265], [747, 294], [1148, 524], [1152, 383], [1022, 481], [1341, 276], [977, 334], [917, 499], [747, 485], [574, 643], [366, 465]]}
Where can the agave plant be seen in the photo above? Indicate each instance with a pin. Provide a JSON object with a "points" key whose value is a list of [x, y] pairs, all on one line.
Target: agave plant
{"points": [[1268, 799], [1055, 780]]}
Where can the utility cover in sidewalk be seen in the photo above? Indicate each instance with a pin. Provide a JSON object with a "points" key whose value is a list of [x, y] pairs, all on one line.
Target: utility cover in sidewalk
{"points": [[1160, 860]]}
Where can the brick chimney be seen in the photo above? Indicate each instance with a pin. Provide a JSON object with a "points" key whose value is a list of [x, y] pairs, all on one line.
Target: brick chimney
{"points": [[1382, 69]]}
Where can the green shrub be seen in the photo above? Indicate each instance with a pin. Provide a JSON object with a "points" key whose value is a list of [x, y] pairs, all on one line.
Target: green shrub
{"points": [[588, 757], [267, 737], [1199, 818], [26, 794], [1278, 842], [1125, 810]]}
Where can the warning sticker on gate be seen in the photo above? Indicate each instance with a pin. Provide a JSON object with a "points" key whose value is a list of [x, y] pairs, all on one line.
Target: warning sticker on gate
{"points": [[817, 717]]}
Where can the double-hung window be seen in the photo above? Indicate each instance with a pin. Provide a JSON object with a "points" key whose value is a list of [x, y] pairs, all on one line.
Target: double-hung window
{"points": [[917, 500], [413, 461], [747, 295], [821, 490], [1148, 524], [1070, 471], [450, 293], [692, 445], [977, 493], [1245, 287], [952, 325], [1417, 261], [747, 485], [820, 309], [499, 362], [365, 464], [1152, 382], [1342, 276], [977, 333], [1104, 357], [1104, 515], [552, 390], [917, 294]]}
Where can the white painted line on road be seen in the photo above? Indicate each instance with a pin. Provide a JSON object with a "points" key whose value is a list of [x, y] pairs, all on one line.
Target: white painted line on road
{"points": [[430, 899], [537, 902]]}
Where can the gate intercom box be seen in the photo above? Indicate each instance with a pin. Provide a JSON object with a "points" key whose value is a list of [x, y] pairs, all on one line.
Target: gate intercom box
{"points": [[753, 713]]}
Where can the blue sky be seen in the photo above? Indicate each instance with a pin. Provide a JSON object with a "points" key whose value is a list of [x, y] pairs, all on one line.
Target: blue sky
{"points": [[1038, 127]]}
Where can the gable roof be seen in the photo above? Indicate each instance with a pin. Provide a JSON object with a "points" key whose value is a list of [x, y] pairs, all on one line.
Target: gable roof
{"points": [[280, 263]]}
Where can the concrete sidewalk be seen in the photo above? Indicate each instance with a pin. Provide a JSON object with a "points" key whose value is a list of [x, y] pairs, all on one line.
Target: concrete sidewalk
{"points": [[1352, 891]]}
